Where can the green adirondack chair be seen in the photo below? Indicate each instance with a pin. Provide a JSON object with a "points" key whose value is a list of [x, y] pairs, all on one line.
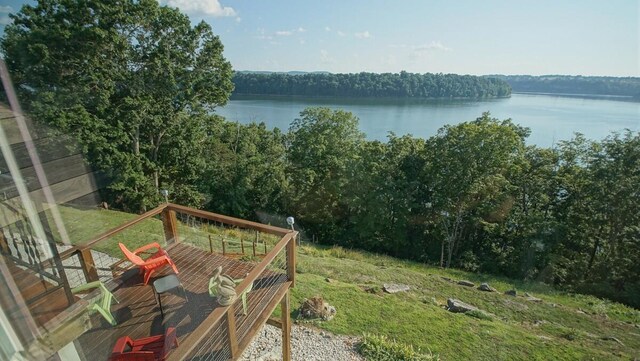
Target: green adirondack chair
{"points": [[220, 284], [100, 304]]}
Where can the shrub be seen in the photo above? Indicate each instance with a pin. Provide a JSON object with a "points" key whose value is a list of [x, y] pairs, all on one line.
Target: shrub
{"points": [[380, 348]]}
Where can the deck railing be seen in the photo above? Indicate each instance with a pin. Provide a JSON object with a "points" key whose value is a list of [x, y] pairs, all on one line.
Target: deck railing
{"points": [[226, 331]]}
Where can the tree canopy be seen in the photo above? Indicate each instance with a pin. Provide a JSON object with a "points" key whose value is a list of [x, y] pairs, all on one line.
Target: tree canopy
{"points": [[402, 85], [132, 79], [569, 84]]}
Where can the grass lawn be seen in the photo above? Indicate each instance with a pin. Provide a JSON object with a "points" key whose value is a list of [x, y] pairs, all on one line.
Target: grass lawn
{"points": [[562, 327]]}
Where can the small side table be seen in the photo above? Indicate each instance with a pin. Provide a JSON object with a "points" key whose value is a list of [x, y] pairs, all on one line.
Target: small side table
{"points": [[166, 284]]}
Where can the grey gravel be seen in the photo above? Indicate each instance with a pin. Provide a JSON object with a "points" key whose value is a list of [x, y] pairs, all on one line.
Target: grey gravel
{"points": [[306, 344]]}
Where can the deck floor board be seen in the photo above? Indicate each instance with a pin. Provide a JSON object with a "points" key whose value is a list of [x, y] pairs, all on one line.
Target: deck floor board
{"points": [[138, 315]]}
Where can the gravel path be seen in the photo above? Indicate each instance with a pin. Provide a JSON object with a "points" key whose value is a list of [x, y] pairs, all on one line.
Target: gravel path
{"points": [[306, 344]]}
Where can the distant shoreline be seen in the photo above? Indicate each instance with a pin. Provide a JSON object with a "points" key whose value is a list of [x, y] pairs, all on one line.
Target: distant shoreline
{"points": [[571, 95], [281, 96]]}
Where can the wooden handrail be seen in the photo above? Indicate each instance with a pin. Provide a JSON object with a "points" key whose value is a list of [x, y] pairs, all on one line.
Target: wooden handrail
{"points": [[257, 270], [202, 331], [230, 220], [124, 226], [285, 244]]}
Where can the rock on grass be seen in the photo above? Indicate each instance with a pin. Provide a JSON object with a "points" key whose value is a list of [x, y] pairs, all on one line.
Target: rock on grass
{"points": [[458, 306]]}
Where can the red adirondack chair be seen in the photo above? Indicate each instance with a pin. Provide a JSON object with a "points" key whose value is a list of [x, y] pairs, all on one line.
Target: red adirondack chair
{"points": [[154, 348], [150, 265]]}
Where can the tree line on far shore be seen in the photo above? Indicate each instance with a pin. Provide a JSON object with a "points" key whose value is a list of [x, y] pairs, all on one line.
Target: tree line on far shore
{"points": [[574, 84], [399, 85]]}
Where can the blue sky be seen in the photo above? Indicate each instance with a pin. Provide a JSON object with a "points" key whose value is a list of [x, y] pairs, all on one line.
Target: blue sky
{"points": [[465, 37]]}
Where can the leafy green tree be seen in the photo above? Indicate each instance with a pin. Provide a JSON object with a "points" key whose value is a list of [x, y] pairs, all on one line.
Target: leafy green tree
{"points": [[600, 213], [245, 170], [468, 176], [323, 148], [131, 79]]}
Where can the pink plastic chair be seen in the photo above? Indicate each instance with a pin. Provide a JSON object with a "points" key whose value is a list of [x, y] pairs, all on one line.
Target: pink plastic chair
{"points": [[150, 265]]}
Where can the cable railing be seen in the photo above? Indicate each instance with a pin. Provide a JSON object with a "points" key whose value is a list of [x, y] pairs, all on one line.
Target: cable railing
{"points": [[262, 256]]}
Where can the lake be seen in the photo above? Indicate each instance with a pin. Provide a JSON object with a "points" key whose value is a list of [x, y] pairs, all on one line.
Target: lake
{"points": [[551, 118]]}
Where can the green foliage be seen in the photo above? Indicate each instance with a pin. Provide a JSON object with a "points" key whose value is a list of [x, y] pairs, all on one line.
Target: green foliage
{"points": [[475, 197], [132, 81], [403, 84], [245, 170], [379, 348], [568, 84], [322, 152]]}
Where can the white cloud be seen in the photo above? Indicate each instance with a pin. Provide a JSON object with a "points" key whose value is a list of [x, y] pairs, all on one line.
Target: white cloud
{"points": [[432, 46], [340, 33], [326, 28], [5, 9], [238, 19], [325, 58], [283, 33], [5, 20], [362, 35], [203, 7], [262, 35], [302, 42], [301, 30]]}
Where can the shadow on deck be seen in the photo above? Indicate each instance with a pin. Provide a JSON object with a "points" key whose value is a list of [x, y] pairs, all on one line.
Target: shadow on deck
{"points": [[138, 313]]}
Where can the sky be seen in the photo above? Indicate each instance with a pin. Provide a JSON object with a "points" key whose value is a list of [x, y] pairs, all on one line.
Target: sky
{"points": [[463, 36]]}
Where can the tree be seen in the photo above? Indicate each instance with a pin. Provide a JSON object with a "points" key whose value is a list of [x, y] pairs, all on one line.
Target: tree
{"points": [[245, 170], [324, 146], [131, 79], [468, 176]]}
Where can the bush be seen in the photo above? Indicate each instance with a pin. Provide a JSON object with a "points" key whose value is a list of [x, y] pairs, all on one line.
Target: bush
{"points": [[379, 348]]}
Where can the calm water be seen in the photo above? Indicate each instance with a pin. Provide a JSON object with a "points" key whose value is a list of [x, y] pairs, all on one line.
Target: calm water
{"points": [[551, 118]]}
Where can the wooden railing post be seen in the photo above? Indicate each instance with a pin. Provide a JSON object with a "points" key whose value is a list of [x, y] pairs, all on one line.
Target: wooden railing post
{"points": [[291, 259], [170, 225], [285, 310], [88, 265], [231, 329]]}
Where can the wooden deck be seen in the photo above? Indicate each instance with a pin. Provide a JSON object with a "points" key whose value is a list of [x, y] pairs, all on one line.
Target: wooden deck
{"points": [[44, 308], [138, 315], [46, 321]]}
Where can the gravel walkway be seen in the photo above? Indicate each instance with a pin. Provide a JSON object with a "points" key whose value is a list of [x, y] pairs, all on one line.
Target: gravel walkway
{"points": [[306, 344]]}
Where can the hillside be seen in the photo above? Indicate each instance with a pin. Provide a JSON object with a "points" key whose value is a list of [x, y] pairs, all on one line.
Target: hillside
{"points": [[562, 326]]}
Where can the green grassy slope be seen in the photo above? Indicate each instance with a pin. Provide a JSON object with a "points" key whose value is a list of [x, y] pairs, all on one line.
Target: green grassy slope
{"points": [[562, 327]]}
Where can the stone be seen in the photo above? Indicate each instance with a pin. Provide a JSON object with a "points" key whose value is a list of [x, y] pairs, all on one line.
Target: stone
{"points": [[485, 287], [532, 298], [329, 280], [513, 293], [316, 307], [395, 288], [466, 283], [458, 306]]}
